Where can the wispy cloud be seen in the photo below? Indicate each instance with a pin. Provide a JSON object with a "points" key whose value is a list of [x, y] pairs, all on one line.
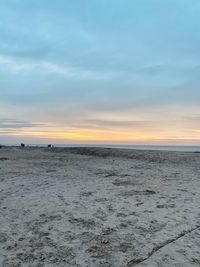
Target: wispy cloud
{"points": [[115, 124], [7, 123], [23, 66]]}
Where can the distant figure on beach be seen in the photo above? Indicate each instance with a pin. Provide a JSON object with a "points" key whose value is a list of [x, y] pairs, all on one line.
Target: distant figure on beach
{"points": [[0, 146], [49, 146], [22, 145]]}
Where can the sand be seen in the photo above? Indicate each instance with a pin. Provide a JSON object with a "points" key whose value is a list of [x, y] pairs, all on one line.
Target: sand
{"points": [[99, 207]]}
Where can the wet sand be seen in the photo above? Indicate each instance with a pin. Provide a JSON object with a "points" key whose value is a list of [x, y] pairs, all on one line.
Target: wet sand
{"points": [[99, 207]]}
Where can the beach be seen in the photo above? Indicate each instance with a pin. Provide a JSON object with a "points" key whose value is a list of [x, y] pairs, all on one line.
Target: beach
{"points": [[99, 207]]}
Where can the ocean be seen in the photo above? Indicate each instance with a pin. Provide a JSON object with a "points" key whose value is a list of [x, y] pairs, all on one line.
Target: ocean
{"points": [[141, 147]]}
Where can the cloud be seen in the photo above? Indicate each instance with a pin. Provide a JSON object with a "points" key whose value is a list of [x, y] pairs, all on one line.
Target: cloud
{"points": [[7, 123], [120, 123], [23, 66]]}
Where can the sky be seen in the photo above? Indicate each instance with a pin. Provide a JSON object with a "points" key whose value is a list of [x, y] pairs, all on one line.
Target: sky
{"points": [[100, 72]]}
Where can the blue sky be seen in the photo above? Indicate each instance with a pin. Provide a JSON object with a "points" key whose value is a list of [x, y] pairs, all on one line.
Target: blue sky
{"points": [[91, 71]]}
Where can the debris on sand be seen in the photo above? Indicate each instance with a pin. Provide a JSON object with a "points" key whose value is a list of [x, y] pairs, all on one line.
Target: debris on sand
{"points": [[4, 158]]}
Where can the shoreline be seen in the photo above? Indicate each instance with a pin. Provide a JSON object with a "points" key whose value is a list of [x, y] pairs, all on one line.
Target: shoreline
{"points": [[156, 148]]}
